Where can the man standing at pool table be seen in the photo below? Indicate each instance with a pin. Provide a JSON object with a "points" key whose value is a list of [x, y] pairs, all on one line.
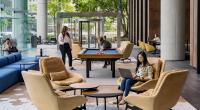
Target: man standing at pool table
{"points": [[104, 44]]}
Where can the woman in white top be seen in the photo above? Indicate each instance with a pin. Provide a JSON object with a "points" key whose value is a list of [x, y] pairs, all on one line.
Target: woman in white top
{"points": [[144, 72], [65, 45]]}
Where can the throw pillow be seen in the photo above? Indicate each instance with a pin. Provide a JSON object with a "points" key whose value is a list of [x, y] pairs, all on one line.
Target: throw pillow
{"points": [[57, 76]]}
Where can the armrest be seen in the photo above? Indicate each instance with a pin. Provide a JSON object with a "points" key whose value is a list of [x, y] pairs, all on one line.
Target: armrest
{"points": [[35, 71], [145, 86]]}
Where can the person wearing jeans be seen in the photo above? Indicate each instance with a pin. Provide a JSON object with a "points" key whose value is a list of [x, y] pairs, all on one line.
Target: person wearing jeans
{"points": [[144, 72], [126, 85], [65, 46]]}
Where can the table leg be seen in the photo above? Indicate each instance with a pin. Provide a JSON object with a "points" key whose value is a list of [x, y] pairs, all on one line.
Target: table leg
{"points": [[113, 69], [117, 102], [90, 65], [111, 66], [104, 103], [87, 68], [97, 101]]}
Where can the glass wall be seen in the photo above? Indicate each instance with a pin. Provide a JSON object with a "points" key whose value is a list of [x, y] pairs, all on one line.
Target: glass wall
{"points": [[16, 23], [5, 21]]}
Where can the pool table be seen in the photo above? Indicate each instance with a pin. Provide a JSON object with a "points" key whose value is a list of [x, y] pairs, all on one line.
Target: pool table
{"points": [[90, 55]]}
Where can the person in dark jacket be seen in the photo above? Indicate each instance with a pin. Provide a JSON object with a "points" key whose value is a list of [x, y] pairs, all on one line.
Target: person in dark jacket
{"points": [[104, 44]]}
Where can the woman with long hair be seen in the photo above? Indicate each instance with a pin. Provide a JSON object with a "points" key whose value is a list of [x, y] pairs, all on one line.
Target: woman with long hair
{"points": [[143, 72], [65, 45]]}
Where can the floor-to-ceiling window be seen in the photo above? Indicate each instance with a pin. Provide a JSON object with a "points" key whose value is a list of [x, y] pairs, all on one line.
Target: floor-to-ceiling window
{"points": [[5, 21]]}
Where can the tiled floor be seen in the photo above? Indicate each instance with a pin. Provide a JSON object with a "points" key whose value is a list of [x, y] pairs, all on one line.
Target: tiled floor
{"points": [[192, 86], [16, 98], [191, 89]]}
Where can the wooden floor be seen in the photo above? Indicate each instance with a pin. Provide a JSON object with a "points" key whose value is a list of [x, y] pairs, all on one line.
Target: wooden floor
{"points": [[191, 91]]}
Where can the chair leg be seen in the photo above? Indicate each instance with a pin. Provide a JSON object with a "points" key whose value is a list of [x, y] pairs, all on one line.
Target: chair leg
{"points": [[132, 108], [82, 61], [126, 108], [84, 107]]}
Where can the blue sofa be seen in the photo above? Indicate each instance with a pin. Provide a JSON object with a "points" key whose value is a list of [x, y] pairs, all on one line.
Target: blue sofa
{"points": [[10, 71]]}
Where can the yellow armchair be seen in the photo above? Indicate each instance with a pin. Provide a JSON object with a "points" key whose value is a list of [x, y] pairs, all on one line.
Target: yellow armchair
{"points": [[149, 48], [158, 67], [165, 94], [55, 64], [44, 97], [76, 49], [142, 45], [126, 49]]}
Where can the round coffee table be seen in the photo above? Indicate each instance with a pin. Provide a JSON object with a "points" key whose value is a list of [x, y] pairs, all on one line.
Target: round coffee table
{"points": [[101, 92], [84, 86]]}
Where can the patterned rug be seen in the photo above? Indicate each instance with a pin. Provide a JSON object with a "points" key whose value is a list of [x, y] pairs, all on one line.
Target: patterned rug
{"points": [[16, 98]]}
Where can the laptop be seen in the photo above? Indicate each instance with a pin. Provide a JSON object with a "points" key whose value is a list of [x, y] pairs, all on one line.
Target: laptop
{"points": [[125, 73]]}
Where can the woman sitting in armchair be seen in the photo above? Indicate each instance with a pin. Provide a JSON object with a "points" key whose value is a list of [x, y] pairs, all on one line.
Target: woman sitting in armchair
{"points": [[144, 72]]}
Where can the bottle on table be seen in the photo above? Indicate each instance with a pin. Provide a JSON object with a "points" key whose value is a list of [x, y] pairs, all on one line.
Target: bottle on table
{"points": [[41, 52]]}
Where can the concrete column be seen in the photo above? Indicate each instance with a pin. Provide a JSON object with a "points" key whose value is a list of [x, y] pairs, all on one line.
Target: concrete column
{"points": [[20, 23], [193, 32], [42, 19], [172, 29]]}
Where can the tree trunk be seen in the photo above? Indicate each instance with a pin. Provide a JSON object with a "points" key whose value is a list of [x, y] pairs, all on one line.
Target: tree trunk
{"points": [[54, 25]]}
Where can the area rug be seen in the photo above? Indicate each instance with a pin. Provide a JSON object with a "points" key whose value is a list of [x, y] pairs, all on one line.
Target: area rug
{"points": [[16, 98]]}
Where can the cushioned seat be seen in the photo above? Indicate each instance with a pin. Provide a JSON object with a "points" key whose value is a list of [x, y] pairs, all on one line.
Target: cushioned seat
{"points": [[17, 66], [149, 48], [8, 77], [142, 45], [165, 94], [30, 59], [55, 64], [68, 81]]}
